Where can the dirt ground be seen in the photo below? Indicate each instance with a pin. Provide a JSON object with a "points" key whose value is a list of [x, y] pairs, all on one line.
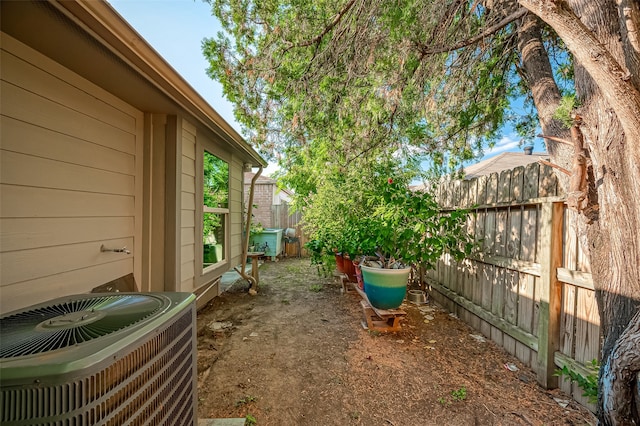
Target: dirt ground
{"points": [[296, 354]]}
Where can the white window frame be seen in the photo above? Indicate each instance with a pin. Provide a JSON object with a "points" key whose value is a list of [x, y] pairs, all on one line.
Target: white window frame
{"points": [[205, 275]]}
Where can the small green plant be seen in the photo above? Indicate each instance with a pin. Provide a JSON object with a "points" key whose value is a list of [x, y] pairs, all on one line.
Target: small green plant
{"points": [[588, 383], [443, 401], [565, 110], [324, 262], [460, 394], [285, 301], [249, 420], [247, 399], [354, 415], [316, 288], [293, 269]]}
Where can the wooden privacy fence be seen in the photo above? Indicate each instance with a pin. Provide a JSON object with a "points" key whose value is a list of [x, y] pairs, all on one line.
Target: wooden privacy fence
{"points": [[529, 288], [282, 218]]}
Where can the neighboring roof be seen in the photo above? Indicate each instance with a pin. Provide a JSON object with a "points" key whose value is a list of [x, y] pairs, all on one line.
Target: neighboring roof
{"points": [[93, 40], [504, 161], [266, 180], [262, 179]]}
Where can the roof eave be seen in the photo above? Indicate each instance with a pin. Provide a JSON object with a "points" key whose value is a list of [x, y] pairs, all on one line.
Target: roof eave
{"points": [[104, 22]]}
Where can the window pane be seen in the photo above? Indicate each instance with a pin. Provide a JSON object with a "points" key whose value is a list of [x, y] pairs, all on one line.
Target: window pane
{"points": [[216, 182], [213, 238], [215, 194]]}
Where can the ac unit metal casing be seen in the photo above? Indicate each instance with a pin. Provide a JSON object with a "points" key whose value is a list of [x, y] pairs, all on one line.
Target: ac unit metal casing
{"points": [[100, 359]]}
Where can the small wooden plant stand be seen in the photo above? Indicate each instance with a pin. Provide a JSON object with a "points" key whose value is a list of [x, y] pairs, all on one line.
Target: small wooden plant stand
{"points": [[384, 320], [348, 287]]}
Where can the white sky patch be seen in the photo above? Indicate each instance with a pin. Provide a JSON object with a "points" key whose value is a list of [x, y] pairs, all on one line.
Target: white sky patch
{"points": [[269, 170], [507, 143]]}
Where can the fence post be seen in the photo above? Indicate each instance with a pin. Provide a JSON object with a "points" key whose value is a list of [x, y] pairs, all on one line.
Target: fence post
{"points": [[550, 258]]}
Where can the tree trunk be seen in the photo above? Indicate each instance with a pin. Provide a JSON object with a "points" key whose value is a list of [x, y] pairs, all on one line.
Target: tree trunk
{"points": [[606, 78], [537, 73]]}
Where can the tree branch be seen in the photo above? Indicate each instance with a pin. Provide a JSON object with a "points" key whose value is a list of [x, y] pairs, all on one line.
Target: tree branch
{"points": [[464, 43], [555, 139], [555, 166], [613, 81], [336, 20]]}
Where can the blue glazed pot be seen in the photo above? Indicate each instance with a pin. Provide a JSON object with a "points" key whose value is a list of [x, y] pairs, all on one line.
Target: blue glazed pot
{"points": [[385, 288]]}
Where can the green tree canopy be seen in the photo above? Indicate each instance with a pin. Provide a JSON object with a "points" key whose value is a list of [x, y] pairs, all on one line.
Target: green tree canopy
{"points": [[319, 85]]}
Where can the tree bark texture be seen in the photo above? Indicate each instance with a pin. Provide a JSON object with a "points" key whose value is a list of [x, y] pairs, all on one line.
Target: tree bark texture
{"points": [[602, 37]]}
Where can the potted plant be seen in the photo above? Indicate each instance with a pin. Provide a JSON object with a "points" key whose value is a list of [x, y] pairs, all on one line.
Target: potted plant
{"points": [[325, 221], [381, 216], [408, 228]]}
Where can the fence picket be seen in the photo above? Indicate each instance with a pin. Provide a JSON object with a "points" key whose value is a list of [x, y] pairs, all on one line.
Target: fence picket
{"points": [[517, 184], [504, 186]]}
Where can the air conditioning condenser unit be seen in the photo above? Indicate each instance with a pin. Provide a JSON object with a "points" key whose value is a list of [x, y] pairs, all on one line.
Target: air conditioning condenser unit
{"points": [[100, 359]]}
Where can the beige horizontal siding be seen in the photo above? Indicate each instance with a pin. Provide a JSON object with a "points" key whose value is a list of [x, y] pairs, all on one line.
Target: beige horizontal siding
{"points": [[188, 166], [69, 179], [187, 236], [235, 208], [25, 201], [30, 233], [186, 253], [23, 105], [24, 265], [188, 219], [188, 201], [24, 74], [25, 138], [187, 285], [188, 184], [187, 272], [27, 170], [57, 285]]}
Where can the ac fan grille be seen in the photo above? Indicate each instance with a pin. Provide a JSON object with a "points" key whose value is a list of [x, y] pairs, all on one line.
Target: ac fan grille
{"points": [[152, 384], [24, 334]]}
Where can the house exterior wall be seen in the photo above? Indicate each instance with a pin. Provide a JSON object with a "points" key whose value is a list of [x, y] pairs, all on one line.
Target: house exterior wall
{"points": [[100, 146], [70, 169], [193, 142]]}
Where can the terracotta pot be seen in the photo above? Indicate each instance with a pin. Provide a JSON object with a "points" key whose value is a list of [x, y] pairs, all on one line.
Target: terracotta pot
{"points": [[356, 266], [349, 269], [385, 288]]}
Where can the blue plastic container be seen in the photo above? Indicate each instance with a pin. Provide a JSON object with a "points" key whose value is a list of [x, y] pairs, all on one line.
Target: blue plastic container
{"points": [[269, 241]]}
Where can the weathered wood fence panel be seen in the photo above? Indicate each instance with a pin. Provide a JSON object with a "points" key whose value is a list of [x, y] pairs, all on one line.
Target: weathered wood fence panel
{"points": [[529, 287], [282, 218]]}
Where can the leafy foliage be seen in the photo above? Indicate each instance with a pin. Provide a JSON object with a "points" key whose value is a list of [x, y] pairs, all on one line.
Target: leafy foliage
{"points": [[565, 110], [459, 394], [588, 383], [322, 85], [373, 210], [215, 193]]}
